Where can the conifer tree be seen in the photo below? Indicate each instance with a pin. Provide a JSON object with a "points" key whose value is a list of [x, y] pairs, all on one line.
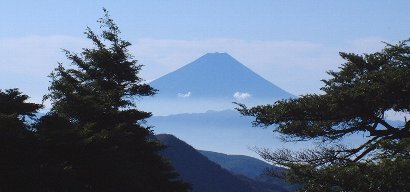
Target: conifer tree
{"points": [[93, 133], [357, 99]]}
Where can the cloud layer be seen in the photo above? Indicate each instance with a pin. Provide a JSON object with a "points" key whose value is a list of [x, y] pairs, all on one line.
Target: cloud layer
{"points": [[296, 66]]}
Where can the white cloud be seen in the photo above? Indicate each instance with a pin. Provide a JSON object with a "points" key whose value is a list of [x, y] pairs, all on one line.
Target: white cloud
{"points": [[184, 95], [176, 53], [240, 96]]}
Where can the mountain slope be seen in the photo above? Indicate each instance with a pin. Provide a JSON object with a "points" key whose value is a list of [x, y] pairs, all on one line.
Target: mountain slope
{"points": [[216, 75], [250, 167], [203, 174], [240, 164]]}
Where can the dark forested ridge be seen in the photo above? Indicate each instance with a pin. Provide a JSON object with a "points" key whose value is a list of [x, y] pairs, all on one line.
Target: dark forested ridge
{"points": [[205, 175]]}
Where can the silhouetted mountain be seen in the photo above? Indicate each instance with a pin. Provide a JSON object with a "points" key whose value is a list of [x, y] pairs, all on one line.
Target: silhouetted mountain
{"points": [[212, 82], [203, 174], [216, 75]]}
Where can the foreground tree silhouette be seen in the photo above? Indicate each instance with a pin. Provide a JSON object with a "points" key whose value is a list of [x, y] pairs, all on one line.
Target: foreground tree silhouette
{"points": [[19, 154], [92, 135], [356, 100]]}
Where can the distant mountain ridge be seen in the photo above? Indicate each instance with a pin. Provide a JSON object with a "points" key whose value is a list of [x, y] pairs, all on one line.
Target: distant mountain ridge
{"points": [[209, 119], [216, 75], [250, 167]]}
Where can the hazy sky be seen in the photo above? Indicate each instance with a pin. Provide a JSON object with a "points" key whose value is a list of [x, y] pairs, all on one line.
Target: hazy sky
{"points": [[290, 43]]}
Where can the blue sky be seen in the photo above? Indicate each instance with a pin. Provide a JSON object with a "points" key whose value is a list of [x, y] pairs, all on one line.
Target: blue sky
{"points": [[290, 43]]}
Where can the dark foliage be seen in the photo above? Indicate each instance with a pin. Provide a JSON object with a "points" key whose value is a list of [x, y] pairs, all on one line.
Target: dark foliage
{"points": [[356, 100], [18, 142], [92, 139], [91, 134]]}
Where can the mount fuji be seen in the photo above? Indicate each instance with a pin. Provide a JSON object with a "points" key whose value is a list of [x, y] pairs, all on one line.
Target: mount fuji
{"points": [[212, 82], [216, 75]]}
